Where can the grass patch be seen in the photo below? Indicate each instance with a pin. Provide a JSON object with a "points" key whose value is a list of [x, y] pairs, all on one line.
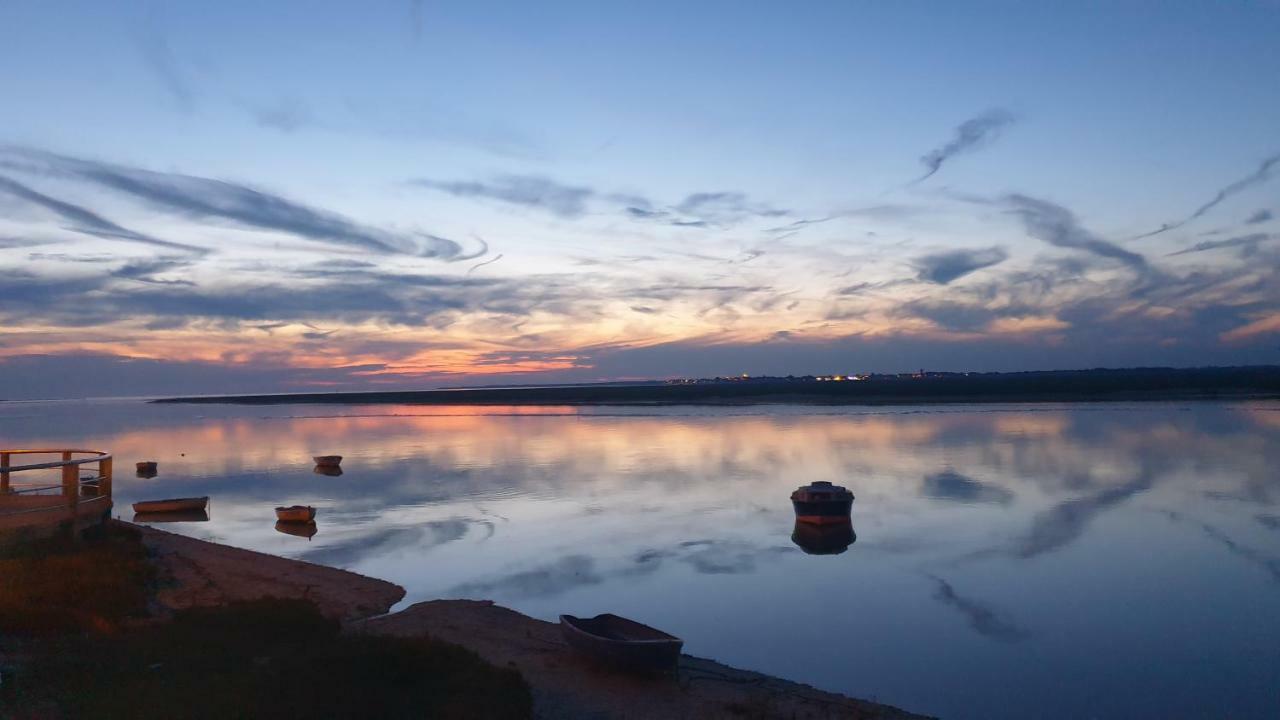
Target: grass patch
{"points": [[64, 585], [264, 658]]}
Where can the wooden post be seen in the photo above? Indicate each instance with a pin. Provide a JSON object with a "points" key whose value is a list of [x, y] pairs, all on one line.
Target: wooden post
{"points": [[4, 474], [104, 476], [70, 481]]}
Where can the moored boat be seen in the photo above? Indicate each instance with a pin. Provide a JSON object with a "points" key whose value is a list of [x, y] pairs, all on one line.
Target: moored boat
{"points": [[148, 468], [171, 505], [823, 539], [821, 502], [327, 460], [296, 514], [168, 517], [621, 643]]}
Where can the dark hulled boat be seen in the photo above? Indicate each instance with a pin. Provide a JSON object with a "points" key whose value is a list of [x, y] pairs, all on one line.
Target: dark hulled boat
{"points": [[821, 503], [825, 539], [621, 643]]}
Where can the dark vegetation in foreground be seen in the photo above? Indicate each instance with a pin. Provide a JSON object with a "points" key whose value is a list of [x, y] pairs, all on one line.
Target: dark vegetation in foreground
{"points": [[264, 658], [64, 585], [1047, 386]]}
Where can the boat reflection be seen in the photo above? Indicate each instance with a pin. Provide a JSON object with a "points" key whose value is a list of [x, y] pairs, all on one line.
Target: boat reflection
{"points": [[330, 470], [306, 530], [172, 516], [829, 539]]}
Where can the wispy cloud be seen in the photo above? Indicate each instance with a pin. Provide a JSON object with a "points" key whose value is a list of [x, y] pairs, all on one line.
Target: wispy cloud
{"points": [[1257, 177], [159, 58], [207, 199], [1248, 244], [984, 620], [1259, 217], [951, 485], [942, 268], [1063, 523], [970, 135], [1058, 226], [83, 219], [528, 190]]}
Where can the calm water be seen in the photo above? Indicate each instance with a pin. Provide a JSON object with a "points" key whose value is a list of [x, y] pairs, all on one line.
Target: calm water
{"points": [[1109, 561]]}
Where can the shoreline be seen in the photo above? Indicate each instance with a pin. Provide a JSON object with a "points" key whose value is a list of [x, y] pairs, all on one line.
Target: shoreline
{"points": [[201, 573], [1136, 385]]}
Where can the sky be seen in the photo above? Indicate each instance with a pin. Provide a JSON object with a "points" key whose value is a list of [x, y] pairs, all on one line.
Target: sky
{"points": [[235, 197]]}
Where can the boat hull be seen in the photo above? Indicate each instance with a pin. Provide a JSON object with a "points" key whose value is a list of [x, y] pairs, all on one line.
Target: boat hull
{"points": [[168, 517], [296, 514], [823, 538], [622, 644], [172, 505], [328, 460], [823, 512]]}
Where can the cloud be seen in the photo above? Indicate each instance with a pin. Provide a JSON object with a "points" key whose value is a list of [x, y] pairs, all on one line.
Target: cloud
{"points": [[942, 268], [1267, 562], [951, 485], [554, 578], [527, 190], [1248, 245], [984, 620], [722, 207], [159, 58], [970, 135], [146, 270], [84, 220], [1062, 524], [284, 114], [1257, 177], [1058, 226], [1259, 217], [311, 295], [201, 198], [479, 265]]}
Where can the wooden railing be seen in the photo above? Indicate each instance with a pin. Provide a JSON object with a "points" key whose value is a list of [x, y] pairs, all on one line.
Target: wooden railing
{"points": [[70, 493]]}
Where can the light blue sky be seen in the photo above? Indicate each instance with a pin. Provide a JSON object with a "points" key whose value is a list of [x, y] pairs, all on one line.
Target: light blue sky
{"points": [[531, 129]]}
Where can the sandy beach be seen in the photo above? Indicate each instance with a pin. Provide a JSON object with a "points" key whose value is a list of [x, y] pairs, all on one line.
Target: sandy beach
{"points": [[195, 573]]}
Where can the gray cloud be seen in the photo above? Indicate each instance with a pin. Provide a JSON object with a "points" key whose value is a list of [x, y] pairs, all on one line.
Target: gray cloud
{"points": [[207, 199], [551, 579], [1248, 244], [970, 135], [284, 114], [1063, 523], [85, 220], [1267, 562], [942, 268], [951, 485], [705, 208], [146, 270], [1058, 226], [528, 190], [1257, 177], [984, 620], [1271, 522], [159, 58], [1259, 217]]}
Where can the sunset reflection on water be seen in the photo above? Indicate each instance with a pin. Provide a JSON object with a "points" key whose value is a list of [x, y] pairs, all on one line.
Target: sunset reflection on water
{"points": [[996, 546]]}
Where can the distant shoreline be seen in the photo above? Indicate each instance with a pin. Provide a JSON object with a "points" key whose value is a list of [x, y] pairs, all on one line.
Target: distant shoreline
{"points": [[1159, 384]]}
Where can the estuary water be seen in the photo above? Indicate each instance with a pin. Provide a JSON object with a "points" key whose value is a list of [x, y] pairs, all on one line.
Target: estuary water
{"points": [[1010, 561]]}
